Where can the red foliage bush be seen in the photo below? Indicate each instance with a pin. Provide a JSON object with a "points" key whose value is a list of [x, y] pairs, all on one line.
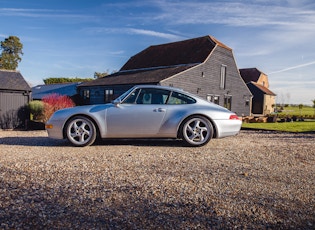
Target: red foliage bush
{"points": [[54, 102]]}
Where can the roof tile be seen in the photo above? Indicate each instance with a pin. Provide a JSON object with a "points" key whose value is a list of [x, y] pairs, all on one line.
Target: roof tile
{"points": [[250, 74], [13, 80], [144, 76], [263, 88], [190, 51]]}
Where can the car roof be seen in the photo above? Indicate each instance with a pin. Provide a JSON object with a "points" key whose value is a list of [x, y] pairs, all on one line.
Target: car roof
{"points": [[160, 87], [171, 88]]}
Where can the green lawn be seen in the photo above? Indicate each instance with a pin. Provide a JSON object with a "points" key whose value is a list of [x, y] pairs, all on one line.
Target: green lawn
{"points": [[300, 126]]}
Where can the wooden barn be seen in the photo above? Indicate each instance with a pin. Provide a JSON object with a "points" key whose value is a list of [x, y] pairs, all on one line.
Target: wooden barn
{"points": [[15, 94], [203, 66], [263, 98]]}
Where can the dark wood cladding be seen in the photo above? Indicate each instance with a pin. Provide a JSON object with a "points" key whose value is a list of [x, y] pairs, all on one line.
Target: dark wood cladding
{"points": [[204, 80]]}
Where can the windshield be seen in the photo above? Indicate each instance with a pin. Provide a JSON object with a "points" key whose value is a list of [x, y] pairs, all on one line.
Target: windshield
{"points": [[121, 97]]}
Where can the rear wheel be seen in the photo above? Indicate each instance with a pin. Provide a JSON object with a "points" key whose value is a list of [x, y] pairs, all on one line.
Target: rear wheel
{"points": [[80, 131], [196, 131]]}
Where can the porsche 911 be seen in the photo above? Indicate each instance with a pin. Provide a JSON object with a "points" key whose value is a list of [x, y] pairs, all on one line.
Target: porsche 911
{"points": [[145, 111]]}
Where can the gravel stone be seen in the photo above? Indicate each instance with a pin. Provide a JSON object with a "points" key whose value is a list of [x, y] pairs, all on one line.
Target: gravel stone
{"points": [[256, 180]]}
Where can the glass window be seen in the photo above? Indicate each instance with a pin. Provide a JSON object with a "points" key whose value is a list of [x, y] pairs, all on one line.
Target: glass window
{"points": [[228, 102], [86, 94], [131, 99], [178, 99], [153, 96], [148, 96], [213, 98], [216, 99], [223, 77], [109, 95]]}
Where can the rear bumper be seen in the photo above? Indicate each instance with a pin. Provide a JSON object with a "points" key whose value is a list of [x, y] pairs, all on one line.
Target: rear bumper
{"points": [[227, 128]]}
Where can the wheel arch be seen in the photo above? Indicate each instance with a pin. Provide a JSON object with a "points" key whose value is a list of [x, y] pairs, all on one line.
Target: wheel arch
{"points": [[214, 135], [98, 135]]}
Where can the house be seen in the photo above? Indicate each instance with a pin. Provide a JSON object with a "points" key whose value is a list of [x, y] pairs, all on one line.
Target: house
{"points": [[203, 66], [68, 89], [263, 98], [15, 94]]}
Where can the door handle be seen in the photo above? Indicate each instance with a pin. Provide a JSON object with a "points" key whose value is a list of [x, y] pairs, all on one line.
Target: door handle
{"points": [[160, 110]]}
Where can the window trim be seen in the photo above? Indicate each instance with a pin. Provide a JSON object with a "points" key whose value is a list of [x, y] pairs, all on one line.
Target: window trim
{"points": [[86, 94], [214, 98], [223, 76], [227, 102], [108, 95]]}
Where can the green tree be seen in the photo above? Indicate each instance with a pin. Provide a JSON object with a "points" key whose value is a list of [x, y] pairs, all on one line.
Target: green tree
{"points": [[104, 74], [100, 75], [11, 53], [314, 105], [59, 80]]}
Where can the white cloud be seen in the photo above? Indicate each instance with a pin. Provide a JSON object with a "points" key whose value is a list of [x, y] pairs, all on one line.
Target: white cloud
{"points": [[152, 33], [293, 67], [45, 13], [237, 13], [118, 52]]}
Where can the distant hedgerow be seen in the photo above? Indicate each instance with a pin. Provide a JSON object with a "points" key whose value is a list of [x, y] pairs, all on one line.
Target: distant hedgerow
{"points": [[54, 102]]}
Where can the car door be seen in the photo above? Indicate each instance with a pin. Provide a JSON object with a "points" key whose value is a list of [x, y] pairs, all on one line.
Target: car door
{"points": [[139, 116]]}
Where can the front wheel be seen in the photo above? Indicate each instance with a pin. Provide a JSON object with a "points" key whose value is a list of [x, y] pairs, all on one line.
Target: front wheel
{"points": [[80, 131], [196, 131]]}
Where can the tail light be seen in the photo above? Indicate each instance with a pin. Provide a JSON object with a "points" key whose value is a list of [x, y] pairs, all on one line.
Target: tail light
{"points": [[234, 117]]}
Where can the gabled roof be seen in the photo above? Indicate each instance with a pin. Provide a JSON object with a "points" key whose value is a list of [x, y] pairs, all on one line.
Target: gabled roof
{"points": [[189, 51], [144, 76], [69, 89], [250, 74], [262, 88], [159, 62], [13, 80]]}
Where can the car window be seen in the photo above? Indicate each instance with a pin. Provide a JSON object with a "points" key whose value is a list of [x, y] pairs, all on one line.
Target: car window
{"points": [[153, 96], [131, 99], [179, 99]]}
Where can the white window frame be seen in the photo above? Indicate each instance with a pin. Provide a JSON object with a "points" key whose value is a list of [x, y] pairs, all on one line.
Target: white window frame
{"points": [[223, 77]]}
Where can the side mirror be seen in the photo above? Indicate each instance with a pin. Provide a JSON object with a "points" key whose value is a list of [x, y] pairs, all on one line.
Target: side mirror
{"points": [[117, 102]]}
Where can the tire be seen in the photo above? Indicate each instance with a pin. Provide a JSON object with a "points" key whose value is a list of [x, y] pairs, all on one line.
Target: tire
{"points": [[196, 131], [80, 131]]}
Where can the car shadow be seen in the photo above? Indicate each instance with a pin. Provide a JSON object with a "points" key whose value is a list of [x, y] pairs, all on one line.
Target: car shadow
{"points": [[32, 141], [141, 142], [45, 141]]}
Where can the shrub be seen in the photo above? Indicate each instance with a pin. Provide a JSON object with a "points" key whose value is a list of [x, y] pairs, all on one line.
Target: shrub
{"points": [[9, 120], [54, 102], [36, 109]]}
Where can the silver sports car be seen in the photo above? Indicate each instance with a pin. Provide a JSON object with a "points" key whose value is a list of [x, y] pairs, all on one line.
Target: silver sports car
{"points": [[146, 111]]}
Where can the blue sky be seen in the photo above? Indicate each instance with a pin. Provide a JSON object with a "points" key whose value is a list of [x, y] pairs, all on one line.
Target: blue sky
{"points": [[75, 38]]}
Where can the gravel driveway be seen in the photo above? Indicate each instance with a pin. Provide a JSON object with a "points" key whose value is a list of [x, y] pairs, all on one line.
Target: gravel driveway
{"points": [[256, 180]]}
